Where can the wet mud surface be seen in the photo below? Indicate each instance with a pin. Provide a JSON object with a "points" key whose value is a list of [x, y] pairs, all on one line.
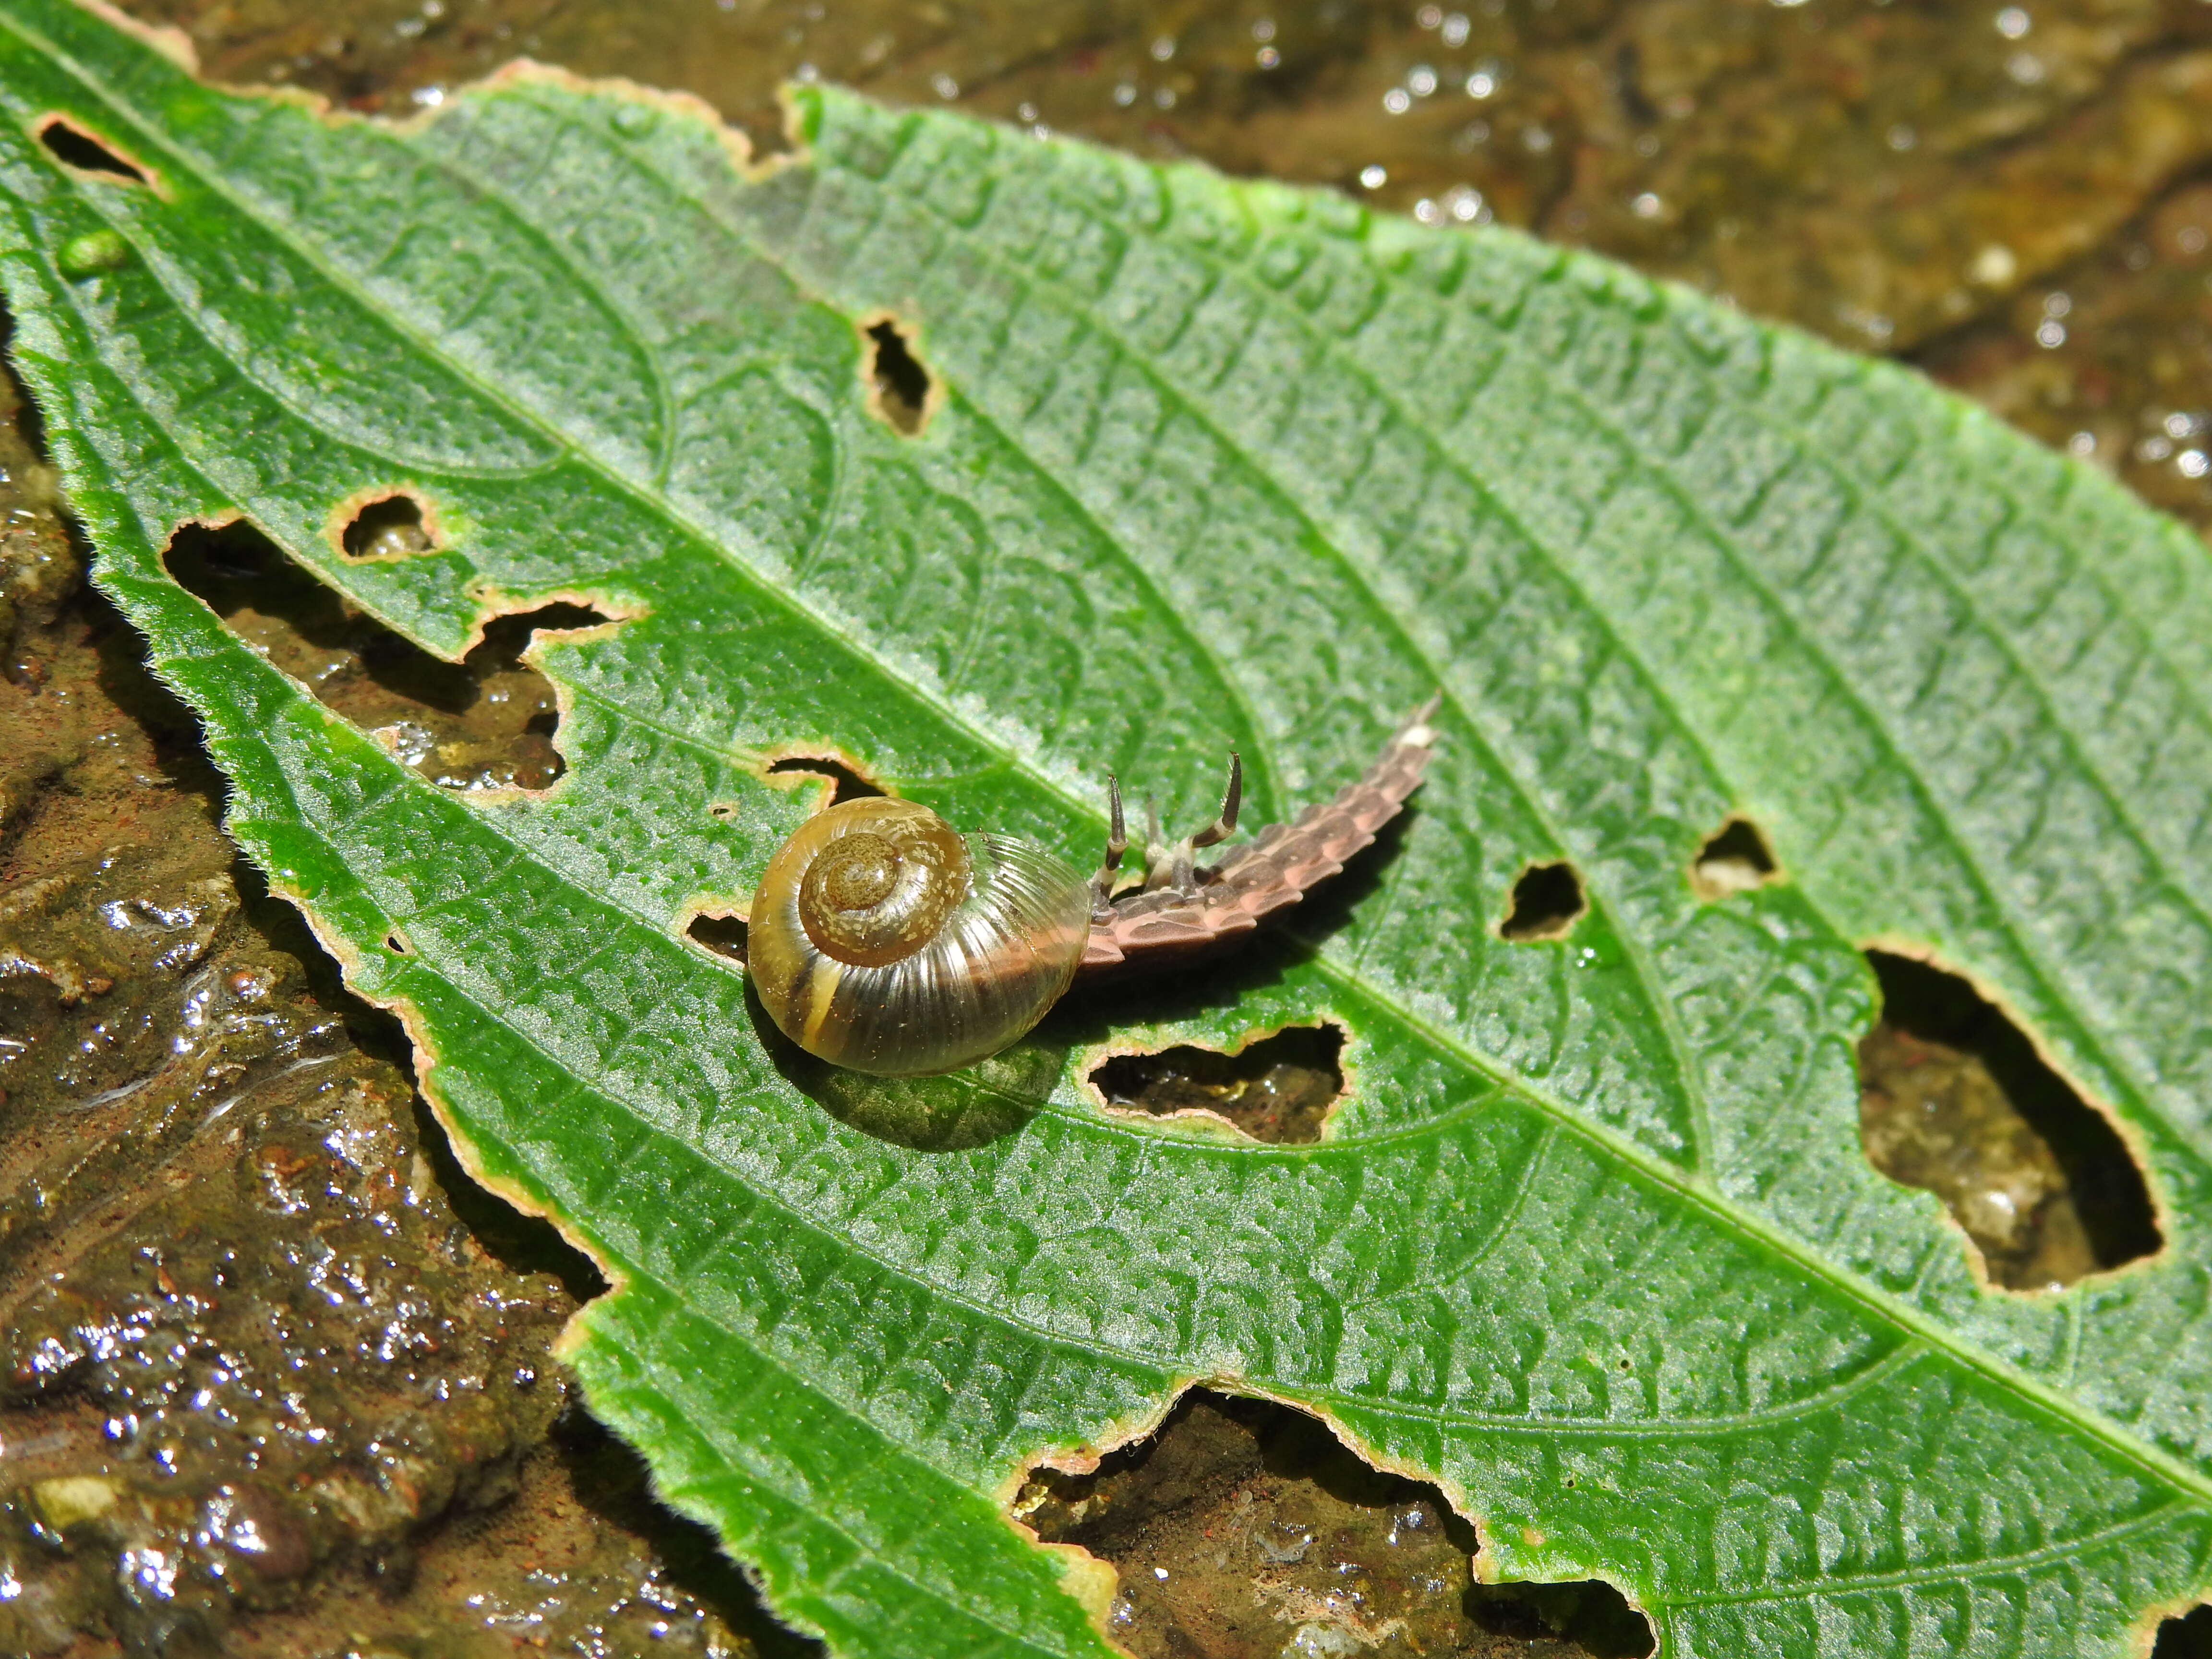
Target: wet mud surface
{"points": [[276, 1377], [264, 1389]]}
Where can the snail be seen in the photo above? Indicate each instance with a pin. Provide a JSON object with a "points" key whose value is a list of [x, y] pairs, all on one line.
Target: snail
{"points": [[883, 940]]}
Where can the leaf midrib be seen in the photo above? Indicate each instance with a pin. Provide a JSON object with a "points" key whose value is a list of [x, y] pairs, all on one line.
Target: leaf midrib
{"points": [[2094, 1425]]}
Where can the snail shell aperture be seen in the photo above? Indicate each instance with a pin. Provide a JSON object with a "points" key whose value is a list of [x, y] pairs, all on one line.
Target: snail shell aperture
{"points": [[883, 940]]}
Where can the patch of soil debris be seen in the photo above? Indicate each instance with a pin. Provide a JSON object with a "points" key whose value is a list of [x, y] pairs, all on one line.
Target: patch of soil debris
{"points": [[262, 1389], [1279, 1089], [1954, 1099], [1932, 1115], [485, 723], [1244, 1530]]}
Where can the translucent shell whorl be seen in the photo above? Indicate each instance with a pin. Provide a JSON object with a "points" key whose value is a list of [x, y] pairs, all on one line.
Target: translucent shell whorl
{"points": [[913, 949]]}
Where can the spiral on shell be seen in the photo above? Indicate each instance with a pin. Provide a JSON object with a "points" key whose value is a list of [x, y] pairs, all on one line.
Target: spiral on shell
{"points": [[883, 940]]}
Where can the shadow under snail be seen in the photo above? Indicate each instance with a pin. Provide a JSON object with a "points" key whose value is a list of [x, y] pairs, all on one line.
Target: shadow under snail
{"points": [[883, 940]]}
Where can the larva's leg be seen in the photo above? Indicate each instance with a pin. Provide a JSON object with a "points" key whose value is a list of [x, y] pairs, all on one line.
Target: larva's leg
{"points": [[1182, 869], [1157, 859], [1117, 843], [1176, 868], [1220, 829]]}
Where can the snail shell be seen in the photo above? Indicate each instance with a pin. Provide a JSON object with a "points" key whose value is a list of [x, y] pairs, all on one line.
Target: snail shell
{"points": [[883, 940]]}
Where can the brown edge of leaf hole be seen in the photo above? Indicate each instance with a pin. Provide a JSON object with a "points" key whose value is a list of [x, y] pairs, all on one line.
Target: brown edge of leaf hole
{"points": [[2125, 1132], [716, 927], [891, 361], [1735, 858], [93, 156], [1549, 925], [1215, 1123], [1093, 1582], [839, 776], [2185, 1620], [338, 528], [495, 607]]}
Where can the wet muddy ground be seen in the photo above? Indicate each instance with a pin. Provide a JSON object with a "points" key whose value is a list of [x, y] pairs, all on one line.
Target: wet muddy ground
{"points": [[274, 1377]]}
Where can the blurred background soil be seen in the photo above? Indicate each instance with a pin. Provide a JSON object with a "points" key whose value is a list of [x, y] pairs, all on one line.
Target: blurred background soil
{"points": [[274, 1375]]}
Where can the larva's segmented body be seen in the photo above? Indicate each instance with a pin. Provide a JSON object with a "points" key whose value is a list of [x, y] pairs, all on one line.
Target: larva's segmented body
{"points": [[1271, 872]]}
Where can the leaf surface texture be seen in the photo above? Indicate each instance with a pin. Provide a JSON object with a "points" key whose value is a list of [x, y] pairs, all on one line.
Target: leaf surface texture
{"points": [[1214, 465]]}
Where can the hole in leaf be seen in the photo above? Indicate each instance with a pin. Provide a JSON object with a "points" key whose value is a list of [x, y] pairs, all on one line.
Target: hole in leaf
{"points": [[396, 944], [392, 528], [1279, 1089], [2188, 1636], [72, 144], [1955, 1098], [845, 782], [901, 384], [1734, 860], [1546, 900], [1238, 1519], [485, 723], [1590, 1615], [724, 935]]}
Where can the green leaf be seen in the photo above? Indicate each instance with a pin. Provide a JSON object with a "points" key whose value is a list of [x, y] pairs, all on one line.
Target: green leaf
{"points": [[1216, 465]]}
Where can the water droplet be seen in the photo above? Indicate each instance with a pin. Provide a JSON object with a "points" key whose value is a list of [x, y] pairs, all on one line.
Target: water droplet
{"points": [[1994, 266]]}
